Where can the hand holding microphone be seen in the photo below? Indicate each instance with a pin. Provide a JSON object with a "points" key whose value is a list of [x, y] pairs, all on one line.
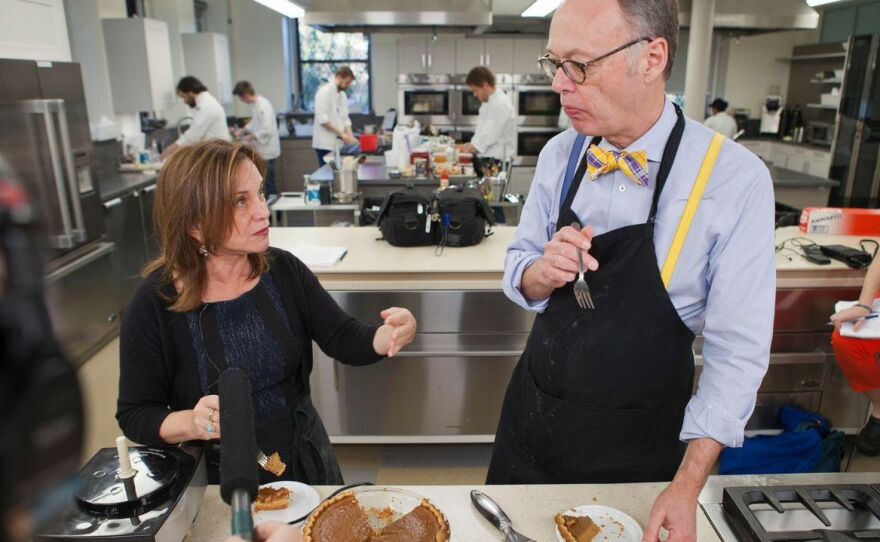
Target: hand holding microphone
{"points": [[239, 479]]}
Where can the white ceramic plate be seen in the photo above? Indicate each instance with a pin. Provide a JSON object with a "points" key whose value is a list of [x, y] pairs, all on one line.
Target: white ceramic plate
{"points": [[616, 526], [302, 500]]}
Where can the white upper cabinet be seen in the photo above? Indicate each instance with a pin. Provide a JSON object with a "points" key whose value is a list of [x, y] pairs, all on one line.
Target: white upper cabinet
{"points": [[420, 54], [441, 54], [412, 54], [495, 54], [469, 53], [499, 55], [206, 56], [139, 62], [34, 30], [525, 55]]}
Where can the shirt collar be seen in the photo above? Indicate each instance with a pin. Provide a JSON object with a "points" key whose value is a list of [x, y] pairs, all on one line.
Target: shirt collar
{"points": [[201, 98], [654, 140]]}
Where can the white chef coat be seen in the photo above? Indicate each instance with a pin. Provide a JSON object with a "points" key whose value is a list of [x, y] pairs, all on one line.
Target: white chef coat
{"points": [[209, 121], [722, 123], [264, 127], [495, 135], [331, 105]]}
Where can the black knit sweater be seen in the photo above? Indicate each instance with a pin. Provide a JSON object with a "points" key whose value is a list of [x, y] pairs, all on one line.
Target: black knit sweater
{"points": [[158, 371]]}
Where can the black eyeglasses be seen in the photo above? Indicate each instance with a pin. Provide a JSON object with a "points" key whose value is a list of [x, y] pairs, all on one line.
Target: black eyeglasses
{"points": [[577, 71]]}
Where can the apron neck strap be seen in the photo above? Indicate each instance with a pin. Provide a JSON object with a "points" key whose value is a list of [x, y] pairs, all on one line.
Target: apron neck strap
{"points": [[573, 178], [669, 152]]}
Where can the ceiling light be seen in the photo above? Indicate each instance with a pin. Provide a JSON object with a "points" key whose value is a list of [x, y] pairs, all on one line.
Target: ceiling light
{"points": [[814, 3], [541, 8], [284, 7]]}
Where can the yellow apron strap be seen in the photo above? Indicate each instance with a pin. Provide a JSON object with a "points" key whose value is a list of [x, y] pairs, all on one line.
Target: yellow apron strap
{"points": [[687, 217]]}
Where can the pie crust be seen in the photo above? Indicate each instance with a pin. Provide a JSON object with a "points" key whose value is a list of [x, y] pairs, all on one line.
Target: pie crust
{"points": [[576, 528], [410, 527]]}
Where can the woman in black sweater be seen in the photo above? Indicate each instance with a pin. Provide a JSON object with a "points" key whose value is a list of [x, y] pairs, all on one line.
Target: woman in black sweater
{"points": [[219, 297]]}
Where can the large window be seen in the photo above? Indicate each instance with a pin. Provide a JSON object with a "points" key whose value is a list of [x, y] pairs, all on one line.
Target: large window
{"points": [[320, 53]]}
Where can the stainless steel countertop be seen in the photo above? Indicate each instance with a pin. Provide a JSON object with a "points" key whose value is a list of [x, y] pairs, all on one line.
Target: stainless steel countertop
{"points": [[795, 179], [120, 183], [373, 173]]}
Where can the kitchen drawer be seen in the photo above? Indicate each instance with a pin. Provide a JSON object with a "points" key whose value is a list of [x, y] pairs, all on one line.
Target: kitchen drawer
{"points": [[83, 298], [449, 311], [766, 414], [440, 396], [808, 309], [794, 372]]}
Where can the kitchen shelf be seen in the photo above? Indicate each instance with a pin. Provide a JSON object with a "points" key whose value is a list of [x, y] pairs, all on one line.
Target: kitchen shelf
{"points": [[812, 57], [829, 81], [822, 106]]}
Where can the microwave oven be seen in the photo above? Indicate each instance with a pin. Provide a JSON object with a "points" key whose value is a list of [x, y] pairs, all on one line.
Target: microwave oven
{"points": [[820, 133]]}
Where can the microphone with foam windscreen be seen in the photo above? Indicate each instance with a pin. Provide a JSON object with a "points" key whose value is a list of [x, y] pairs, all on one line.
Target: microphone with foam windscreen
{"points": [[239, 478]]}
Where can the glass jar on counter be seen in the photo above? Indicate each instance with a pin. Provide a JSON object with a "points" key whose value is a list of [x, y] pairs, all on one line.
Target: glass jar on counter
{"points": [[313, 191]]}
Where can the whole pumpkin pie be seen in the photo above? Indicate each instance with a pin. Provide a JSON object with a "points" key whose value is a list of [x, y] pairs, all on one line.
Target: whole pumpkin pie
{"points": [[341, 519], [576, 528]]}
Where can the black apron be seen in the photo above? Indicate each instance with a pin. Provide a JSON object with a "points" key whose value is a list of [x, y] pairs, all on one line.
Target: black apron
{"points": [[296, 431], [599, 396]]}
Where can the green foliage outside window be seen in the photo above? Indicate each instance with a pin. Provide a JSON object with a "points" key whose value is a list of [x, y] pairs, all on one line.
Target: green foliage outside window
{"points": [[320, 53]]}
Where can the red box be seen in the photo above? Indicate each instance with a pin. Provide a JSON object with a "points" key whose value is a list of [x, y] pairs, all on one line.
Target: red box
{"points": [[841, 221]]}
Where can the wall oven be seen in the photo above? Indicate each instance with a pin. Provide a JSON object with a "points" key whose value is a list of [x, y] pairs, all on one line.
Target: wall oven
{"points": [[535, 101], [429, 99], [529, 142]]}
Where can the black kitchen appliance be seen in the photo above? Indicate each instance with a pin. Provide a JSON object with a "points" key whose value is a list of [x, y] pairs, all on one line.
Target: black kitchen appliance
{"points": [[159, 502], [855, 153], [803, 513], [44, 134]]}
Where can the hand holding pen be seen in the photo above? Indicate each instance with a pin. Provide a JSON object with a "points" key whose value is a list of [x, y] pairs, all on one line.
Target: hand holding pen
{"points": [[857, 314]]}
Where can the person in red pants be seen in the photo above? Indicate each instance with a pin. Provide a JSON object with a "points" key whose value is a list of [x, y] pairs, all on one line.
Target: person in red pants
{"points": [[859, 359]]}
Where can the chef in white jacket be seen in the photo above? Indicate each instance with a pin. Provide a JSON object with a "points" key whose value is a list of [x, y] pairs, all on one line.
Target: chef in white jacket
{"points": [[208, 117], [495, 135], [262, 130], [720, 121], [331, 114]]}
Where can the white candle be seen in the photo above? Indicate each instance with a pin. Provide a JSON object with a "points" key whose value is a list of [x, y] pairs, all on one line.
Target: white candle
{"points": [[125, 470]]}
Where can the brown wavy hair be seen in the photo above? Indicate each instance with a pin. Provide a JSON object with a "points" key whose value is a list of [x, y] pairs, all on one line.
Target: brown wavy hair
{"points": [[196, 191]]}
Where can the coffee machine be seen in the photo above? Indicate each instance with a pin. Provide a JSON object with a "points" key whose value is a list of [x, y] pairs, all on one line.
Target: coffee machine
{"points": [[142, 494], [771, 112]]}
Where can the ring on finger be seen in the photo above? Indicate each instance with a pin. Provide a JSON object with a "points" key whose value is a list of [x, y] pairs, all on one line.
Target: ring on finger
{"points": [[210, 428]]}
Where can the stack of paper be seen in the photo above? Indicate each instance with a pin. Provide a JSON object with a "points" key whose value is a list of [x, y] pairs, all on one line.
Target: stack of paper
{"points": [[314, 256], [870, 329]]}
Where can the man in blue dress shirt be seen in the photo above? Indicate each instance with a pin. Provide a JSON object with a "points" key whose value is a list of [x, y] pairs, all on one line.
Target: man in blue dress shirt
{"points": [[675, 226]]}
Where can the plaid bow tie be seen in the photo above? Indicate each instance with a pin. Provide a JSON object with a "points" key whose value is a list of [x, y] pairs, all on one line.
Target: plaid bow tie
{"points": [[633, 164]]}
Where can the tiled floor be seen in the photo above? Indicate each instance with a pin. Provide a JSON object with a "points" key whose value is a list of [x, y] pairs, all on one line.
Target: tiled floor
{"points": [[463, 464]]}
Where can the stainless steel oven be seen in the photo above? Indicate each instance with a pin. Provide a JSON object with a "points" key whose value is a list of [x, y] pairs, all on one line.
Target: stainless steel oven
{"points": [[535, 101], [529, 142], [428, 98], [467, 106]]}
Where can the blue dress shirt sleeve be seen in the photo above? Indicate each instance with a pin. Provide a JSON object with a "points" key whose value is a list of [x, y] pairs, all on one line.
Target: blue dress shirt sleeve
{"points": [[739, 312]]}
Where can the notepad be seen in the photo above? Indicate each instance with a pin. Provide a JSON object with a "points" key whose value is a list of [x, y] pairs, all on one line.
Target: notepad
{"points": [[314, 256], [871, 329]]}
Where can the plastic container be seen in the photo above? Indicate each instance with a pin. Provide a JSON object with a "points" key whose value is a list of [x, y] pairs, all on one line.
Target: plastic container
{"points": [[313, 191], [369, 142]]}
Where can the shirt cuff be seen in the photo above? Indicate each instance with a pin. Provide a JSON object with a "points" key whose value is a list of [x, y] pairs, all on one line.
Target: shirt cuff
{"points": [[701, 420], [321, 118], [513, 283]]}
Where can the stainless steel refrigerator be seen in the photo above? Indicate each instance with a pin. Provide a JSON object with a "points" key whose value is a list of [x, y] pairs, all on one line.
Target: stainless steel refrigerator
{"points": [[855, 154], [44, 136]]}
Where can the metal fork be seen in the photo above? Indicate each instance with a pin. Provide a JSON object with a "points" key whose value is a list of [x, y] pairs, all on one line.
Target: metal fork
{"points": [[581, 290], [262, 459]]}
